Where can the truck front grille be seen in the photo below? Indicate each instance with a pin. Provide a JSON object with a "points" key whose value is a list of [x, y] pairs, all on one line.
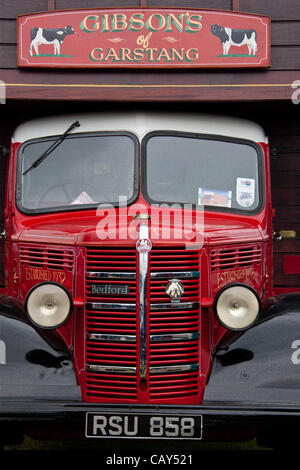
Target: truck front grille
{"points": [[111, 347], [174, 328], [112, 327]]}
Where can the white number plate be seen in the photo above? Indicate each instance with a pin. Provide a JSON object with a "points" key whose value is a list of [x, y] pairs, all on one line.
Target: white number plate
{"points": [[143, 426]]}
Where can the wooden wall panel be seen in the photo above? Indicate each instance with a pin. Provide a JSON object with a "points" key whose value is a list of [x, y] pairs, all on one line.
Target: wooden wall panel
{"points": [[73, 4], [285, 33], [8, 32], [277, 9], [285, 180], [286, 214], [285, 58], [12, 8], [286, 193], [286, 196], [209, 4], [286, 162], [8, 56]]}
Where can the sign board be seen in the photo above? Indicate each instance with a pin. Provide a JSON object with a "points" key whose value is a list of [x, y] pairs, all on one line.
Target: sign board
{"points": [[143, 38]]}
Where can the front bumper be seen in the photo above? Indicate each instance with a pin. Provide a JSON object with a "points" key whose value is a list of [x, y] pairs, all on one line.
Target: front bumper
{"points": [[222, 421]]}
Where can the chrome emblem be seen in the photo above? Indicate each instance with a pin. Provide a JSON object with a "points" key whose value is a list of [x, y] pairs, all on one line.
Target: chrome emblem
{"points": [[175, 290], [143, 245]]}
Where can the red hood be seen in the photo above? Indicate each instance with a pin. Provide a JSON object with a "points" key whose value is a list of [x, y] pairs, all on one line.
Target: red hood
{"points": [[82, 228]]}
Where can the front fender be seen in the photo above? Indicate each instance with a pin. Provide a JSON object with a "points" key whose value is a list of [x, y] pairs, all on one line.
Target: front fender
{"points": [[30, 367], [261, 365]]}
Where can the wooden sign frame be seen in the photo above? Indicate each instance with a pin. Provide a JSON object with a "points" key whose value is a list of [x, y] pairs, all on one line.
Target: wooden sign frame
{"points": [[143, 38]]}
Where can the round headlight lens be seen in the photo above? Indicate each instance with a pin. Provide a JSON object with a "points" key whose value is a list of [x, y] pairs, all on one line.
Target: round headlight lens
{"points": [[237, 307], [48, 305]]}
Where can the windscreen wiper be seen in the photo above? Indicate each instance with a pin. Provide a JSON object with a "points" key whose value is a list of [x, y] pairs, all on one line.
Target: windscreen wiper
{"points": [[52, 147]]}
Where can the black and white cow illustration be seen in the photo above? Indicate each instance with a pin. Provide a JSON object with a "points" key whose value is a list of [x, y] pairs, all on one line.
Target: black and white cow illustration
{"points": [[48, 36], [235, 37]]}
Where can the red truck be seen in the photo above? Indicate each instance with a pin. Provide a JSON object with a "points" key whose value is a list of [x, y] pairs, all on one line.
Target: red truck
{"points": [[138, 298]]}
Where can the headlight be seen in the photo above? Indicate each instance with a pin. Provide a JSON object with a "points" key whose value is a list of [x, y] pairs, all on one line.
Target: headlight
{"points": [[48, 305], [237, 307]]}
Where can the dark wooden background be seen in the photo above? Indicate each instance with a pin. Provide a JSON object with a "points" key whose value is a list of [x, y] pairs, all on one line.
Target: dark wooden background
{"points": [[270, 105]]}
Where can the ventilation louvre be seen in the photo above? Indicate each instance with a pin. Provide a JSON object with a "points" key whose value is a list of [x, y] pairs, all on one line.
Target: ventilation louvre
{"points": [[235, 257], [46, 258]]}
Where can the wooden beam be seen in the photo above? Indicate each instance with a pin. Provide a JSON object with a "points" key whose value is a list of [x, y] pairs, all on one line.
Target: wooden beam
{"points": [[149, 86], [51, 4], [236, 5]]}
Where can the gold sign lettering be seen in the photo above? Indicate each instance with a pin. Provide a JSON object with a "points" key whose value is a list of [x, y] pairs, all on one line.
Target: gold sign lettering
{"points": [[39, 274], [237, 275], [169, 22]]}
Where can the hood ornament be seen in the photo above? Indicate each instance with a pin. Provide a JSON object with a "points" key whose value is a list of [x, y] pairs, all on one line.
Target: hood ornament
{"points": [[143, 245], [175, 290]]}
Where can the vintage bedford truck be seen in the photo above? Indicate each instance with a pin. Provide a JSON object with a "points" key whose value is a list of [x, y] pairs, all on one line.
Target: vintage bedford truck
{"points": [[138, 298]]}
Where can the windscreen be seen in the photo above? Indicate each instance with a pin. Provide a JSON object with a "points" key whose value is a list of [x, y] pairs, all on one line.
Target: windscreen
{"points": [[202, 171], [83, 170]]}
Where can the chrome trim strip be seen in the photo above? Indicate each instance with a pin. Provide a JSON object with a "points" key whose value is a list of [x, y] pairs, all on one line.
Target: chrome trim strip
{"points": [[111, 337], [179, 368], [115, 306], [120, 369], [111, 275], [143, 303], [175, 306], [175, 274], [174, 337]]}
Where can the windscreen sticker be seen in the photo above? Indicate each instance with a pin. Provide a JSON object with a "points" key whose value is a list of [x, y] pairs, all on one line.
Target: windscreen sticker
{"points": [[214, 197], [83, 198], [245, 191]]}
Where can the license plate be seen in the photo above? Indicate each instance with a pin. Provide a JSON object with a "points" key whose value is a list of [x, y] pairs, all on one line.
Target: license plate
{"points": [[135, 426]]}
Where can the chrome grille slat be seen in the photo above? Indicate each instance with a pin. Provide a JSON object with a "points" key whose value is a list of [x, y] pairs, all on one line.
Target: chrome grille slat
{"points": [[108, 368], [177, 368], [112, 275], [175, 275], [154, 275], [174, 337], [111, 337], [111, 306], [174, 306]]}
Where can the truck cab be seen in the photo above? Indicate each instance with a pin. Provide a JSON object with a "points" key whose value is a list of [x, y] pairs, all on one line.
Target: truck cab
{"points": [[138, 253]]}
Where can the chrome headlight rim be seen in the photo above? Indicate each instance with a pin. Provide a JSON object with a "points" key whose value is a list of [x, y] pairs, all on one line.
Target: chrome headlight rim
{"points": [[67, 316], [220, 292]]}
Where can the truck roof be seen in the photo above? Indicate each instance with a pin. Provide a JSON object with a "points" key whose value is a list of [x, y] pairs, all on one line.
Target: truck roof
{"points": [[140, 123]]}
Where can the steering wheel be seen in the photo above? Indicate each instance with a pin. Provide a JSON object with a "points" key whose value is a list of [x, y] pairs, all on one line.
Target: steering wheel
{"points": [[67, 193]]}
